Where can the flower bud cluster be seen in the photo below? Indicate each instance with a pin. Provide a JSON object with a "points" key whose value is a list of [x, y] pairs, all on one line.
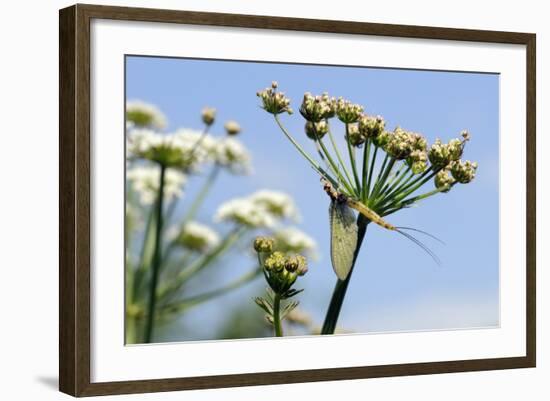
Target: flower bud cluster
{"points": [[208, 115], [442, 154], [274, 102], [354, 137], [401, 145], [371, 127], [317, 130], [317, 108], [443, 180], [463, 171], [232, 128], [347, 111], [281, 270]]}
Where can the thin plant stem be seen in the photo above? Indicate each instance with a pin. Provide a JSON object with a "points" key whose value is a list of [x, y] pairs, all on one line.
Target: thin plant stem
{"points": [[351, 152], [385, 172], [312, 162], [371, 170], [366, 155], [199, 141], [151, 310], [333, 312], [199, 199], [339, 156], [192, 301], [143, 257], [347, 184], [201, 263], [277, 325], [394, 181]]}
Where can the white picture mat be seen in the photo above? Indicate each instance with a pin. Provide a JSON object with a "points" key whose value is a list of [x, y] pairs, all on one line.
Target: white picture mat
{"points": [[112, 361]]}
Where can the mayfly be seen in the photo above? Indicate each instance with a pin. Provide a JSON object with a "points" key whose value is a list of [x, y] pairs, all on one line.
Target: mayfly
{"points": [[344, 229]]}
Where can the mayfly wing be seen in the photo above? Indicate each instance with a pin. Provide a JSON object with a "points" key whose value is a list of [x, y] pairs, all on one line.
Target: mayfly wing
{"points": [[343, 238]]}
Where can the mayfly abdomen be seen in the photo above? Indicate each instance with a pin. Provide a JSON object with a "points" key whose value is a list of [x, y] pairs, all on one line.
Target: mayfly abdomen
{"points": [[343, 238]]}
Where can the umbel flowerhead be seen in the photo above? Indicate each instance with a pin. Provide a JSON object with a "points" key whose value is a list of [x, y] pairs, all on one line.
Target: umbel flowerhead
{"points": [[281, 270], [317, 108], [274, 102], [374, 187]]}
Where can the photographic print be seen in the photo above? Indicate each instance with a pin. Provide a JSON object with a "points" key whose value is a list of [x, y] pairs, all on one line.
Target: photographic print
{"points": [[274, 199]]}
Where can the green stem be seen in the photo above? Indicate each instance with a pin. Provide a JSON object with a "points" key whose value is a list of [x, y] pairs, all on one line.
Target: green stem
{"points": [[199, 199], [313, 163], [382, 179], [199, 141], [366, 155], [331, 318], [144, 257], [371, 170], [149, 325], [201, 263], [277, 316], [190, 302], [351, 152], [340, 159]]}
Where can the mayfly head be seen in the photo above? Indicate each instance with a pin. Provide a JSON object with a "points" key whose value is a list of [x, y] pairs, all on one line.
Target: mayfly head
{"points": [[333, 194]]}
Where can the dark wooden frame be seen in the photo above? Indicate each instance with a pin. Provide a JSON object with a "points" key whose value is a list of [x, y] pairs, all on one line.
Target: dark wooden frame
{"points": [[74, 199]]}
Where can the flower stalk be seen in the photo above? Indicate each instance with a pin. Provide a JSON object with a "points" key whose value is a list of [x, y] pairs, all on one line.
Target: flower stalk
{"points": [[151, 309]]}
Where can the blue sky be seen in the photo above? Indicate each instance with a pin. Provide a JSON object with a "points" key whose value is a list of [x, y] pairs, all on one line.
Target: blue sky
{"points": [[395, 285]]}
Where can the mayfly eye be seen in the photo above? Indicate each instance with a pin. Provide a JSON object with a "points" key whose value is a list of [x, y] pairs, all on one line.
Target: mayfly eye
{"points": [[343, 238]]}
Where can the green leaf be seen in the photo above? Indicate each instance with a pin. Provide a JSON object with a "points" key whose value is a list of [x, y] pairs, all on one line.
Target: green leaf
{"points": [[343, 238]]}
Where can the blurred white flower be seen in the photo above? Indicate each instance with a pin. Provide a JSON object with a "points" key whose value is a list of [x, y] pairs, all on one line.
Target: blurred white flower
{"points": [[277, 203], [245, 212], [197, 237], [185, 149], [291, 239], [262, 209], [141, 114], [232, 154], [145, 181]]}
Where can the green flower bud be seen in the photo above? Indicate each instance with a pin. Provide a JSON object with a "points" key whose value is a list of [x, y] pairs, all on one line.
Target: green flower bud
{"points": [[418, 161], [371, 127], [443, 180], [291, 264], [463, 171], [264, 244], [455, 149], [275, 262], [418, 141], [317, 108], [348, 112], [232, 128], [274, 102], [302, 265], [355, 137], [439, 154], [382, 140], [208, 115], [400, 144], [316, 131]]}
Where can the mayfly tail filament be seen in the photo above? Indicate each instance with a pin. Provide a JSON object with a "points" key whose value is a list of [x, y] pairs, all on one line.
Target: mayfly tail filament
{"points": [[422, 232], [421, 245]]}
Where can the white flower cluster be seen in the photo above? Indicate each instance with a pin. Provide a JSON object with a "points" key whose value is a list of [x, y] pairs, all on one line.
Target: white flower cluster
{"points": [[231, 154], [198, 237], [145, 181], [141, 114], [277, 203], [185, 148], [291, 239], [189, 149], [262, 209]]}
